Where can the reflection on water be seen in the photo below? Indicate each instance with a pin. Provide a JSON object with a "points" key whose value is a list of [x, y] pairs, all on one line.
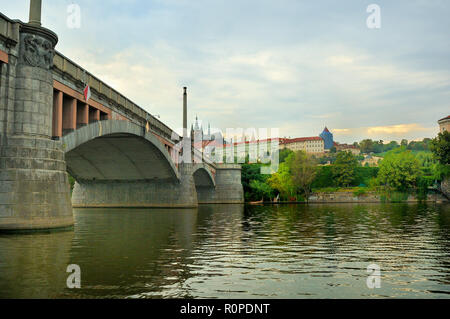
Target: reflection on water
{"points": [[232, 251]]}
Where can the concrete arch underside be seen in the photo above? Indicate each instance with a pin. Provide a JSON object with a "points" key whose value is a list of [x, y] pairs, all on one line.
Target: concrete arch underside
{"points": [[203, 176], [117, 150], [119, 164]]}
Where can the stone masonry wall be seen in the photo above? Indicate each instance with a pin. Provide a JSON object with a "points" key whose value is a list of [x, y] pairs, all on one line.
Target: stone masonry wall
{"points": [[138, 193], [228, 190], [445, 186], [370, 197]]}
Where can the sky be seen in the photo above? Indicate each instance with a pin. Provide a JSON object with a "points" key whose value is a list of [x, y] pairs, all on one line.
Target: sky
{"points": [[289, 64]]}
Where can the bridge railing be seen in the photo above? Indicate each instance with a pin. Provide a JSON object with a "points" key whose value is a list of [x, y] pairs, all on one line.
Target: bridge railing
{"points": [[114, 99]]}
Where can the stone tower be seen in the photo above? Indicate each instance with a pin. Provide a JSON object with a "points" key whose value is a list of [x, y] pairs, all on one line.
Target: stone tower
{"points": [[35, 192]]}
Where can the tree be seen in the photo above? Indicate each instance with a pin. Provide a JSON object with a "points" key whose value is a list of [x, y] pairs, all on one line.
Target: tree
{"points": [[282, 181], [344, 169], [399, 170], [378, 147], [284, 153], [392, 145], [440, 146], [303, 168], [366, 146], [404, 143], [261, 190]]}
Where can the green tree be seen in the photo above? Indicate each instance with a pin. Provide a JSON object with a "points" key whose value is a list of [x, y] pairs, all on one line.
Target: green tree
{"points": [[440, 146], [251, 172], [399, 170], [284, 153], [378, 147], [282, 181], [366, 146], [261, 190], [404, 143], [303, 168], [392, 145], [344, 169]]}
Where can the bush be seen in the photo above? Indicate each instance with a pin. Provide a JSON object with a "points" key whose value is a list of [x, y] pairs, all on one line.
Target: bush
{"points": [[398, 197], [364, 175], [423, 182], [359, 192], [324, 177], [71, 182]]}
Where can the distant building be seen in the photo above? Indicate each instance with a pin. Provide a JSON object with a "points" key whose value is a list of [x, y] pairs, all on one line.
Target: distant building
{"points": [[371, 161], [255, 149], [347, 148], [327, 137], [311, 145], [201, 140], [444, 124]]}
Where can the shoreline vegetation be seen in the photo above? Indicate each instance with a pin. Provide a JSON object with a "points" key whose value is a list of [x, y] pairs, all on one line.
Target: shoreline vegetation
{"points": [[407, 172]]}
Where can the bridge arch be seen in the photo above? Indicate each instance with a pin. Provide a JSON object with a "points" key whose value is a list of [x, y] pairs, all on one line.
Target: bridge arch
{"points": [[203, 176], [117, 151]]}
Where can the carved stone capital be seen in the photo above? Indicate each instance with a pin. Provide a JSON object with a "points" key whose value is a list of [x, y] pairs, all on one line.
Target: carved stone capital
{"points": [[37, 46]]}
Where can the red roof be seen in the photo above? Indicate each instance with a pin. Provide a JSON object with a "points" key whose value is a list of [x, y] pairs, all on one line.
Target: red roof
{"points": [[260, 141], [302, 139], [445, 118]]}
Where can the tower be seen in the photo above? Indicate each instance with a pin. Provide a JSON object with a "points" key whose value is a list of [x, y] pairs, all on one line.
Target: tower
{"points": [[327, 136]]}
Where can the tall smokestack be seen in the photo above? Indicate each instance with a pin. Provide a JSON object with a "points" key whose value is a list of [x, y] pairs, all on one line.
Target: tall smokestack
{"points": [[185, 112], [35, 12]]}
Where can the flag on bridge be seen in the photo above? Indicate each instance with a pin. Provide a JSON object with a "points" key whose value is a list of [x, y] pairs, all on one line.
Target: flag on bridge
{"points": [[87, 92]]}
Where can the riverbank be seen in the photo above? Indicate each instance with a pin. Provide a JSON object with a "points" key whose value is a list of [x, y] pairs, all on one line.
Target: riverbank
{"points": [[371, 197], [366, 197]]}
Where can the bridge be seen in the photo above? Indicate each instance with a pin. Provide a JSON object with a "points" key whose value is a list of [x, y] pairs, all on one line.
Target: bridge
{"points": [[118, 153]]}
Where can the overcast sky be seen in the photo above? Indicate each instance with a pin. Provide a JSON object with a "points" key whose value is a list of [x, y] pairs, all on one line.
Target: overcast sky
{"points": [[294, 65]]}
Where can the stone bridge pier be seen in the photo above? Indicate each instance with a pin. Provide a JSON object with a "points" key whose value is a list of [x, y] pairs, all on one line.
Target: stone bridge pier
{"points": [[119, 154], [228, 186], [34, 186]]}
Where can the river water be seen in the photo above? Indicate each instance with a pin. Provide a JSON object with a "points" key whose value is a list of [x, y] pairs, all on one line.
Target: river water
{"points": [[232, 251]]}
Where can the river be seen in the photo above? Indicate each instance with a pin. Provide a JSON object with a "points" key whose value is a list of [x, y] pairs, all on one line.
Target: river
{"points": [[236, 251]]}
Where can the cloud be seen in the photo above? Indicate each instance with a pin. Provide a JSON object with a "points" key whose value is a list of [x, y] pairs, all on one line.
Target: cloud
{"points": [[412, 131], [401, 129], [300, 67]]}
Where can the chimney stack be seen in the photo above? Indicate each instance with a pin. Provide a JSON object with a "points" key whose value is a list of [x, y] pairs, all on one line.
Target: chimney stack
{"points": [[185, 112]]}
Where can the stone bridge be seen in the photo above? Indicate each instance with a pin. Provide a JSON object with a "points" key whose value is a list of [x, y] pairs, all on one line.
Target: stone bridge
{"points": [[119, 154]]}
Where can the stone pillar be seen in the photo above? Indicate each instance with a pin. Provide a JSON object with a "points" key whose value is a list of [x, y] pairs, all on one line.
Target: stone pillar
{"points": [[83, 115], [69, 115], [94, 115], [57, 114], [35, 13], [34, 185]]}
